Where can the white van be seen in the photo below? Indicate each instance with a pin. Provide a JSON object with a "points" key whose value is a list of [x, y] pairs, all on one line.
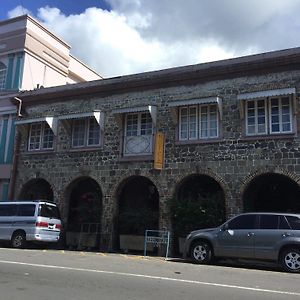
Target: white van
{"points": [[32, 221]]}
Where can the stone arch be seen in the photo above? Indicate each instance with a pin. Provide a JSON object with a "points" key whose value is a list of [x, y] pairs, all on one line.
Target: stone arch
{"points": [[37, 188], [207, 172], [83, 211], [271, 189], [137, 209]]}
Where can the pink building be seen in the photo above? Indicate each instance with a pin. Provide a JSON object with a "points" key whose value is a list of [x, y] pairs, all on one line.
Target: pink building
{"points": [[31, 57]]}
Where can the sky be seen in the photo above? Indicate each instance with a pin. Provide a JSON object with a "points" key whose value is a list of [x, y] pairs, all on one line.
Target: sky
{"points": [[120, 37]]}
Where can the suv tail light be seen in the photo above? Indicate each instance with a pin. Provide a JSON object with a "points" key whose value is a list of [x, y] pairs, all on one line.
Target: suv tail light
{"points": [[58, 226], [41, 224]]}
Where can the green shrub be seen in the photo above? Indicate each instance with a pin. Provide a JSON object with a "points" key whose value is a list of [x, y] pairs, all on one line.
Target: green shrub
{"points": [[204, 211]]}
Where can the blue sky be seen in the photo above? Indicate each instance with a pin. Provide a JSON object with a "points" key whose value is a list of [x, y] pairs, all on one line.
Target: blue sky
{"points": [[66, 6], [117, 37]]}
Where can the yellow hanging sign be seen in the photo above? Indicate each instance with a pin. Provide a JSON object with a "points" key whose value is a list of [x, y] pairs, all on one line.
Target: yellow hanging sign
{"points": [[159, 151]]}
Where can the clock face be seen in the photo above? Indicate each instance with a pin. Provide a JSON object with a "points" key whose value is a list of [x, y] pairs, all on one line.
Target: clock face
{"points": [[137, 144]]}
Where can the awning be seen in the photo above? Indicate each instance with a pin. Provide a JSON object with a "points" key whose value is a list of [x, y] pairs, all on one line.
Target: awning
{"points": [[208, 100], [152, 109], [268, 93], [97, 114], [51, 121]]}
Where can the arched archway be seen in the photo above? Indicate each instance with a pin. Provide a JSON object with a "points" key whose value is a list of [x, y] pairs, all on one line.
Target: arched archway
{"points": [[138, 202], [272, 192], [36, 189], [85, 203], [199, 202]]}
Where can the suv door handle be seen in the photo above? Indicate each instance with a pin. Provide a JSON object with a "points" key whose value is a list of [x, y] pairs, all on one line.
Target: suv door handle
{"points": [[286, 234], [250, 234]]}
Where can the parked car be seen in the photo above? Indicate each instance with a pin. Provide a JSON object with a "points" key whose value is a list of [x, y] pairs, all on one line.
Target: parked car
{"points": [[258, 236], [32, 221]]}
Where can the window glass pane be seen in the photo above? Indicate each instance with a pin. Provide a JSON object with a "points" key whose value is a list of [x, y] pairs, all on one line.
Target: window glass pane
{"points": [[183, 130], [48, 137], [146, 124], [243, 222], [285, 101], [274, 102], [294, 222], [275, 128], [256, 117], [283, 223], [93, 132], [203, 121], [251, 121], [251, 130], [49, 211], [193, 122], [78, 137], [2, 76], [26, 210], [8, 210], [286, 127], [132, 125], [35, 136], [250, 105], [269, 222]]}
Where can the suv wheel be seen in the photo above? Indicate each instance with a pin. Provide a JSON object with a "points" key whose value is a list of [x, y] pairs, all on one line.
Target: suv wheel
{"points": [[18, 240], [201, 252], [290, 260]]}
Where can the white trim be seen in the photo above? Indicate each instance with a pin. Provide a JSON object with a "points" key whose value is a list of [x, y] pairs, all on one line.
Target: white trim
{"points": [[268, 93], [153, 112]]}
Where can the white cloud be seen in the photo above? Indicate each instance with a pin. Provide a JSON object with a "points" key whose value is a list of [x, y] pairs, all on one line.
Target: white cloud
{"points": [[18, 11], [142, 35]]}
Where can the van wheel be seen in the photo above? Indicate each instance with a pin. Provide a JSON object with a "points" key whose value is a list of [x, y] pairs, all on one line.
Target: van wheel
{"points": [[201, 252], [18, 240], [290, 260]]}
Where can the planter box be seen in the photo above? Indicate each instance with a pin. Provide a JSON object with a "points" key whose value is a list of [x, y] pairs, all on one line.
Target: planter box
{"points": [[72, 239], [134, 242], [181, 244], [80, 241]]}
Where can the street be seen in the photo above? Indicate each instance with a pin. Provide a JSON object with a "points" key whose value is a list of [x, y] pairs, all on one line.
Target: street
{"points": [[57, 274]]}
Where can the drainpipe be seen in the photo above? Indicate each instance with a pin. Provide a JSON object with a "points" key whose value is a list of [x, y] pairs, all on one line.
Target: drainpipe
{"points": [[16, 153], [12, 183]]}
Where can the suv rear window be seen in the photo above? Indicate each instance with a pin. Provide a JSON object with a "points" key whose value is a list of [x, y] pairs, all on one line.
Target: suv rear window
{"points": [[294, 222], [49, 211]]}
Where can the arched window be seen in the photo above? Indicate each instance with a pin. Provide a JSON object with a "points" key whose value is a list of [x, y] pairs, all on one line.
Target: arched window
{"points": [[2, 76]]}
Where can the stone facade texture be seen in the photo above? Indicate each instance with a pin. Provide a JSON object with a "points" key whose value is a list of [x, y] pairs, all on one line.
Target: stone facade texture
{"points": [[233, 160]]}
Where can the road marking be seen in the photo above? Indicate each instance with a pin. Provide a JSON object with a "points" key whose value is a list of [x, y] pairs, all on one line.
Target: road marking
{"points": [[155, 278]]}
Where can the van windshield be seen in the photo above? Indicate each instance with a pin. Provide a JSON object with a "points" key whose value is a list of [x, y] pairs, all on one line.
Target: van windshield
{"points": [[49, 211]]}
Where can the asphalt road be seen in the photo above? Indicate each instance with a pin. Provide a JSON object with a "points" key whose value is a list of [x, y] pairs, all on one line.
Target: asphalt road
{"points": [[50, 274]]}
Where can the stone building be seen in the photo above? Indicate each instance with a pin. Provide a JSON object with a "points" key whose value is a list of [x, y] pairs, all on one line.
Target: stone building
{"points": [[229, 127]]}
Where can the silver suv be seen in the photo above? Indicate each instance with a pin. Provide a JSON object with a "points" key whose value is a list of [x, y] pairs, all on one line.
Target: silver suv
{"points": [[258, 236]]}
